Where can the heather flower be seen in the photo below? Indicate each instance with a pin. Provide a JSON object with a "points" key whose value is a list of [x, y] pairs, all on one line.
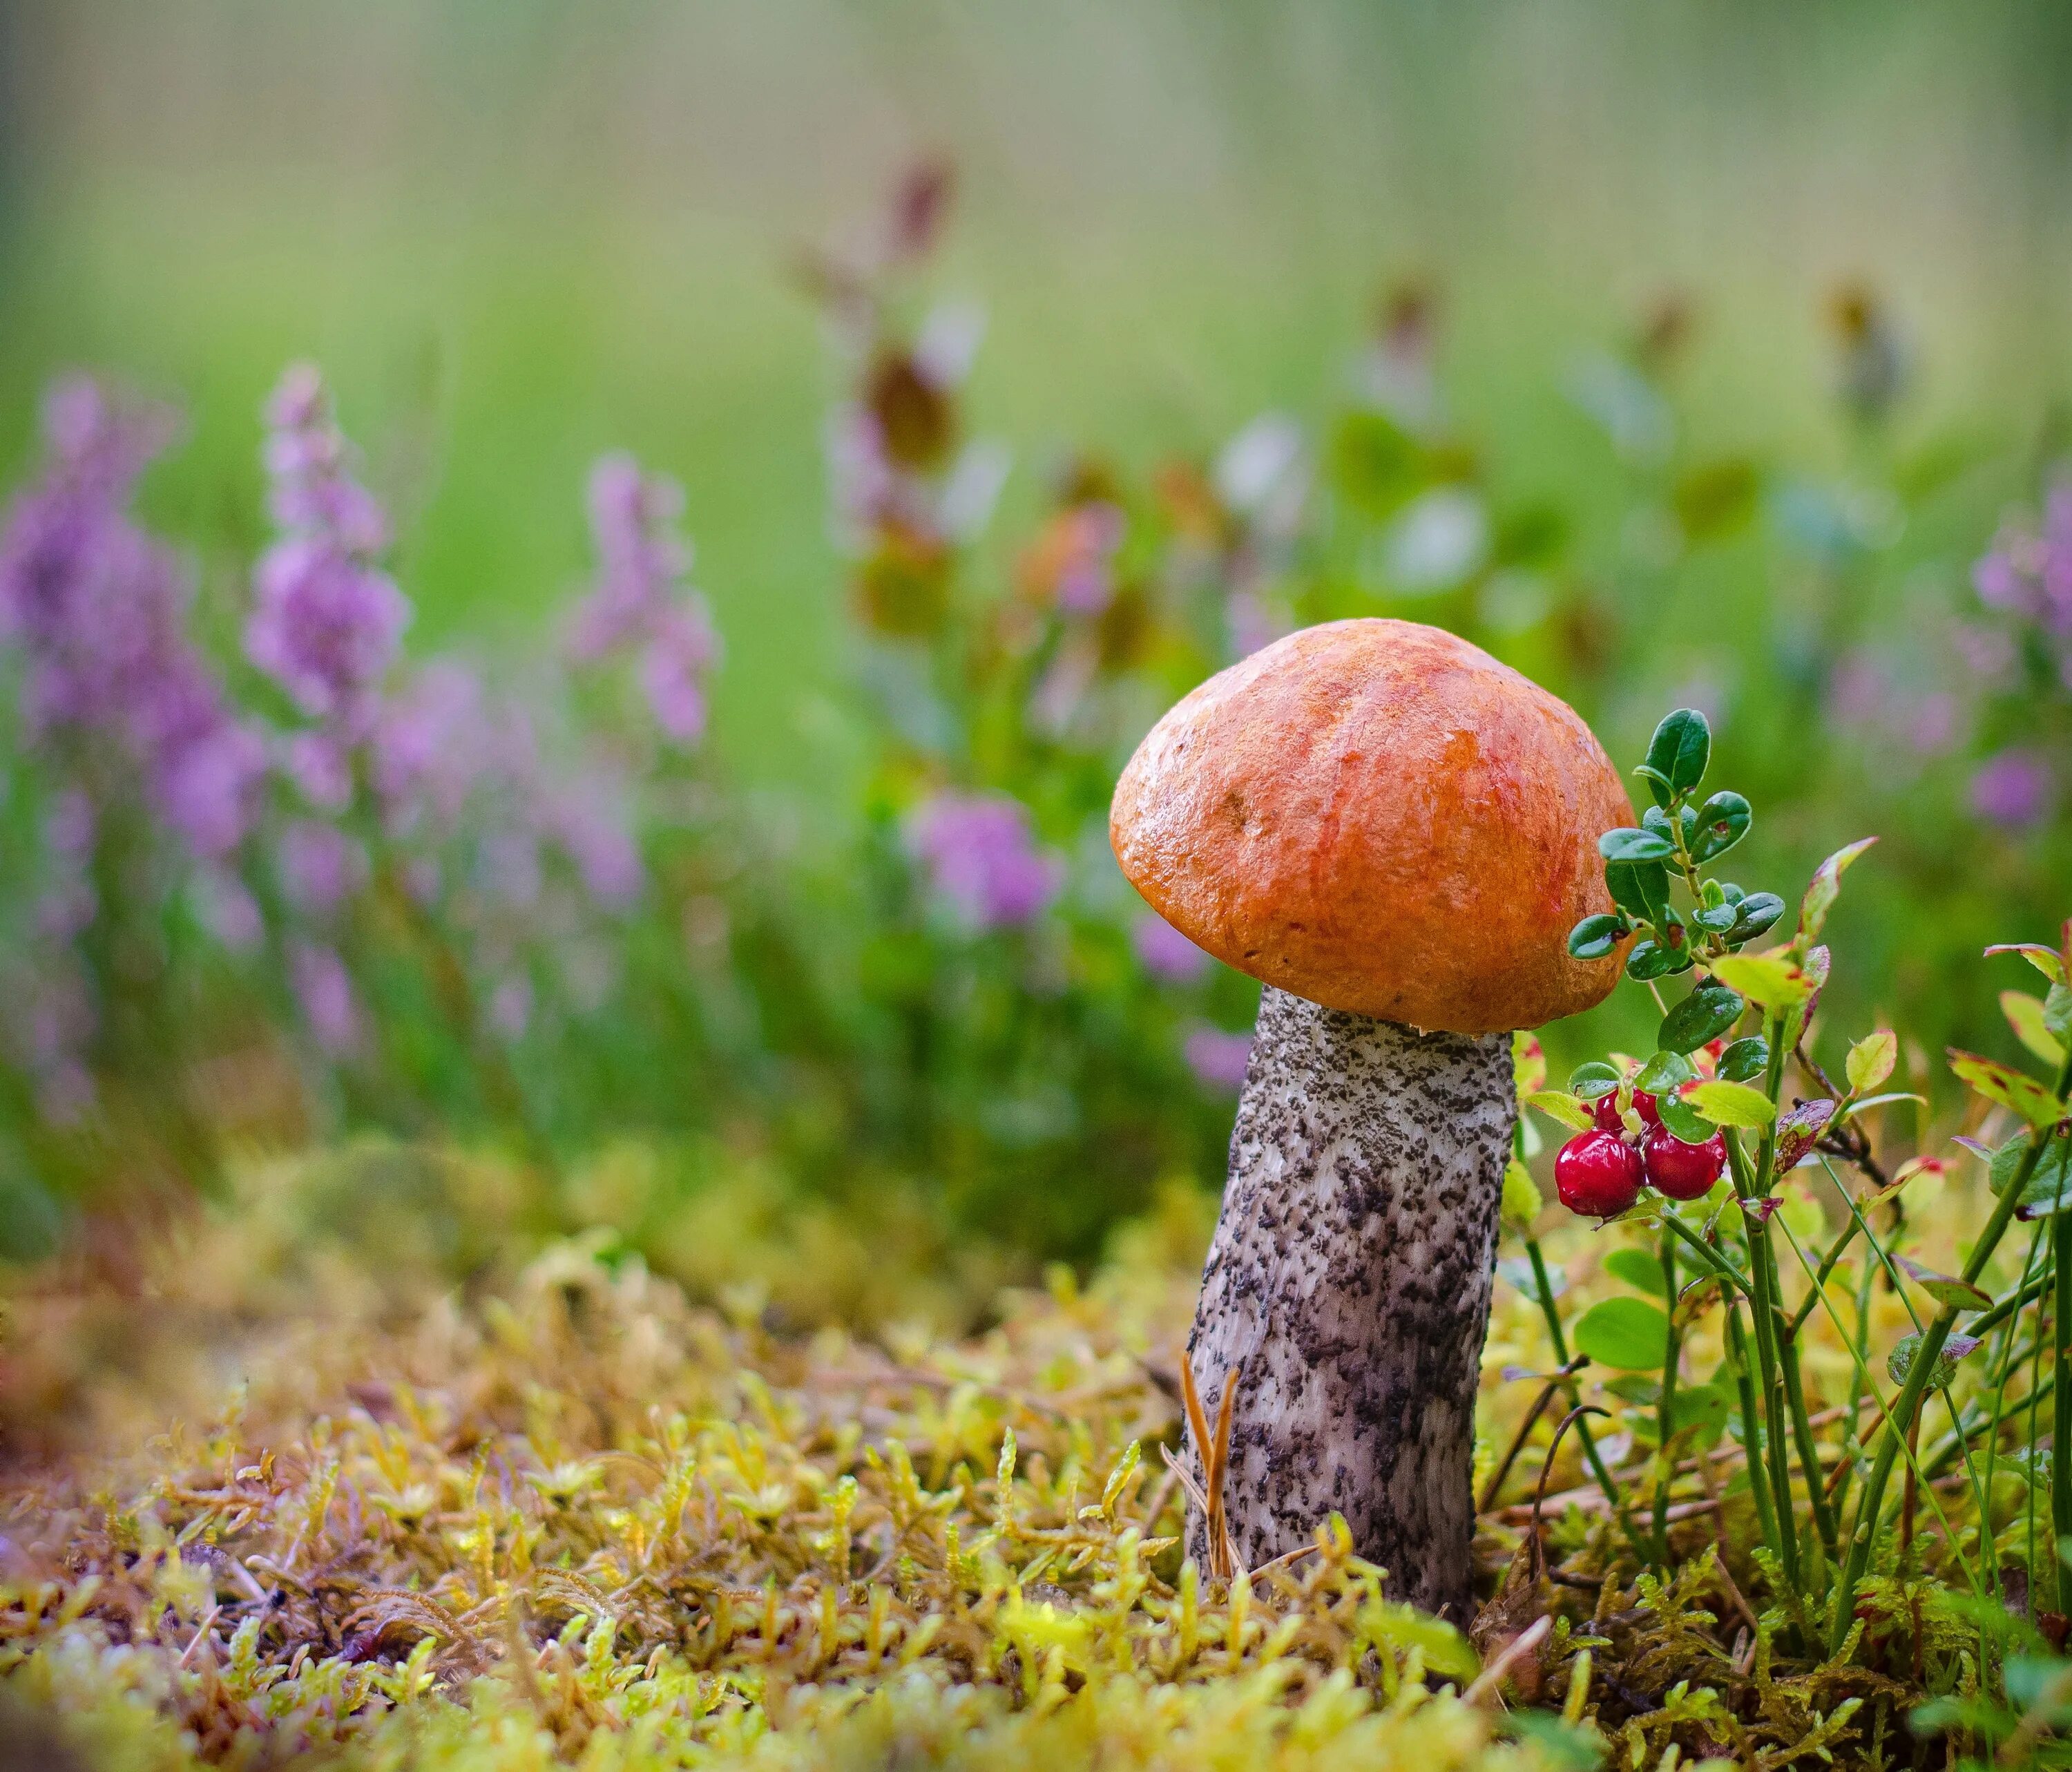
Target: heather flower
{"points": [[226, 909], [2011, 790], [98, 609], [589, 821], [639, 604], [1165, 954], [1217, 1059], [325, 622], [324, 989], [319, 867], [510, 1006], [680, 648], [2030, 575], [433, 743], [981, 858]]}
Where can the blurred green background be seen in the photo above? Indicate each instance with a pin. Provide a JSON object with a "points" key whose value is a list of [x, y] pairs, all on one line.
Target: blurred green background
{"points": [[518, 233]]}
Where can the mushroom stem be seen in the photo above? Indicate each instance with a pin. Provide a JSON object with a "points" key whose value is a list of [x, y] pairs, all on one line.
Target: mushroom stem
{"points": [[1350, 1280]]}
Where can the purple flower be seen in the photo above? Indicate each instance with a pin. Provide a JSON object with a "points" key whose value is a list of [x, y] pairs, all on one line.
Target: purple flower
{"points": [[510, 1006], [981, 857], [433, 743], [324, 989], [638, 602], [680, 648], [589, 821], [319, 867], [325, 622], [2011, 790], [206, 787], [1165, 954], [1086, 573], [99, 611], [227, 910], [1217, 1059], [2030, 573]]}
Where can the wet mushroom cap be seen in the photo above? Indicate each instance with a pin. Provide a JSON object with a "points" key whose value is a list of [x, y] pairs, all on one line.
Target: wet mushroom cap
{"points": [[1381, 817]]}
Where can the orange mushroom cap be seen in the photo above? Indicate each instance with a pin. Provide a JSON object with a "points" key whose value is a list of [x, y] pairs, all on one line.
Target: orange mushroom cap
{"points": [[1380, 817]]}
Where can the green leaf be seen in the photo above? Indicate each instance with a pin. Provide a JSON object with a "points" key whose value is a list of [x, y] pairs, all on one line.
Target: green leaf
{"points": [[1871, 1061], [1630, 844], [1522, 1203], [1732, 1104], [1745, 1060], [2024, 1015], [1639, 1268], [1595, 937], [1704, 1408], [1900, 1362], [1945, 1288], [2046, 960], [1651, 959], [1403, 1628], [1799, 1130], [1866, 1103], [2049, 1188], [1722, 822], [2058, 1012], [1626, 1333], [1680, 749], [1765, 980], [1640, 888], [1825, 887], [1566, 1109], [1683, 1120], [1664, 1073], [1707, 1012], [1758, 912], [1595, 1078], [1998, 1082]]}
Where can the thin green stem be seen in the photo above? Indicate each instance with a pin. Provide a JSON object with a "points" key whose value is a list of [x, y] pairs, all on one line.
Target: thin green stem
{"points": [[1860, 1382], [1666, 1406], [2061, 1463], [1914, 1462], [1926, 1355], [1544, 1285], [1765, 1510], [1710, 1258], [1777, 1437]]}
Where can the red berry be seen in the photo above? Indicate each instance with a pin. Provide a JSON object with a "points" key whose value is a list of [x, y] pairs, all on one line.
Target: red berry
{"points": [[1606, 1117], [1597, 1174], [1644, 1104], [1681, 1171]]}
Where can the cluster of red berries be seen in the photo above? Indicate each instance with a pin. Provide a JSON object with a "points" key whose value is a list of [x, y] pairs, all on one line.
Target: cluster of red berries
{"points": [[1600, 1173]]}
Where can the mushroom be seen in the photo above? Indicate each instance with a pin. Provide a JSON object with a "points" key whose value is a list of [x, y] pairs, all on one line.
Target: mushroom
{"points": [[1394, 833]]}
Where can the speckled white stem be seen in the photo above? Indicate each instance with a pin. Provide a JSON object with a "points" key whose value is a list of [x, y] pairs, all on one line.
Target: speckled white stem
{"points": [[1351, 1275]]}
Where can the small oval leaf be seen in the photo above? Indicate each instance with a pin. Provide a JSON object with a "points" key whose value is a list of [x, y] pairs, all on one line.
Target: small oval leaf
{"points": [[1722, 822], [1680, 749], [1871, 1061], [1745, 1060], [1630, 844], [1732, 1104], [1595, 937], [2026, 1015], [1626, 1333], [1707, 1013]]}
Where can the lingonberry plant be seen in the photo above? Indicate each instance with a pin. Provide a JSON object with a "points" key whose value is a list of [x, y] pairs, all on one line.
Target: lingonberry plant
{"points": [[1775, 1216]]}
